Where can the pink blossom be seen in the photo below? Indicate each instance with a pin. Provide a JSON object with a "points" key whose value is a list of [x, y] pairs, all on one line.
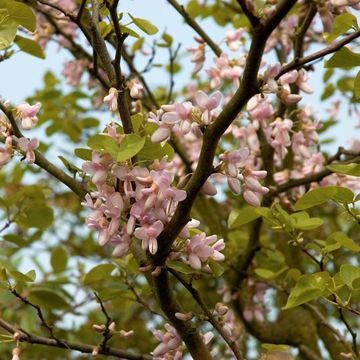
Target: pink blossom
{"points": [[170, 342], [198, 55], [73, 71], [6, 152], [27, 113], [148, 235], [111, 99], [136, 88], [207, 104], [98, 167], [233, 39], [198, 249], [28, 146]]}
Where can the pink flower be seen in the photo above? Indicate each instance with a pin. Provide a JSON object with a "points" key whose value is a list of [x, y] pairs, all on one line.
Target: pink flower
{"points": [[170, 341], [198, 249], [16, 354], [233, 39], [6, 152], [98, 167], [28, 146], [111, 99], [148, 235], [198, 55], [207, 104], [136, 88], [27, 113], [73, 71], [252, 189]]}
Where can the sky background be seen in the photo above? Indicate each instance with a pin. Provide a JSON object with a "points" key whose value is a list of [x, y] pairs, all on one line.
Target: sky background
{"points": [[21, 75]]}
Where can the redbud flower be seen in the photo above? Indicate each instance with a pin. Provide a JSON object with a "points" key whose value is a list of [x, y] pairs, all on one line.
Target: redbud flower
{"points": [[111, 99], [233, 39], [16, 354], [27, 113], [28, 146], [136, 88], [184, 316], [126, 334], [148, 235]]}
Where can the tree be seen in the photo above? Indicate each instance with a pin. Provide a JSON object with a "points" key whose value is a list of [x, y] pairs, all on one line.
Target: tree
{"points": [[204, 220]]}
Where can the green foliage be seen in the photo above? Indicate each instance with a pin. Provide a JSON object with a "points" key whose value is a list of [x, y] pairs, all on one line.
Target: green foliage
{"points": [[342, 23], [344, 58], [29, 46], [13, 14], [308, 288], [145, 25]]}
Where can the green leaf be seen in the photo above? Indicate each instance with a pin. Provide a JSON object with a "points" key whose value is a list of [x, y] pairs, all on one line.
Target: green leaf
{"points": [[215, 267], [347, 169], [145, 25], [19, 276], [275, 347], [264, 273], [307, 288], [344, 241], [30, 46], [137, 120], [98, 273], [180, 267], [344, 58], [84, 154], [8, 28], [37, 215], [243, 216], [342, 23], [304, 222], [130, 32], [59, 259], [349, 273], [48, 299], [152, 151], [323, 194], [20, 13], [103, 143], [130, 145], [357, 88]]}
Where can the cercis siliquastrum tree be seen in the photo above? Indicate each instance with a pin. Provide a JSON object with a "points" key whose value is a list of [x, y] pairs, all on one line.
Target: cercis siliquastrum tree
{"points": [[210, 214]]}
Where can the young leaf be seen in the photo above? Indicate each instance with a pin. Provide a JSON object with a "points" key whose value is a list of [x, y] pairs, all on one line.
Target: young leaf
{"points": [[59, 259], [239, 217], [344, 58], [145, 25], [29, 46], [349, 273], [307, 288], [98, 273], [347, 169]]}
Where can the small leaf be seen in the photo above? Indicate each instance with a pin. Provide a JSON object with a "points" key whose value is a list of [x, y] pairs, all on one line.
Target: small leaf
{"points": [[347, 169], [307, 288], [48, 299], [344, 58], [215, 267], [349, 273], [59, 259], [180, 267], [98, 273], [18, 276], [243, 216], [29, 46], [20, 13], [130, 32], [342, 23], [323, 194], [130, 145], [84, 154], [145, 25], [344, 241]]}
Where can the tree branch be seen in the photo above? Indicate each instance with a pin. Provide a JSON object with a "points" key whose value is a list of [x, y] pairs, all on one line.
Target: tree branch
{"points": [[193, 24], [253, 19], [248, 88], [212, 320], [298, 63], [83, 348]]}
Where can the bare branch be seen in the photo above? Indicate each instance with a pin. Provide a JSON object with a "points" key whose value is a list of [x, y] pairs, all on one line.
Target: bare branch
{"points": [[193, 24], [83, 348]]}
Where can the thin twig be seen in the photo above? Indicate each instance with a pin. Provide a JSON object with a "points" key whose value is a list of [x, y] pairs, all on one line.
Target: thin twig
{"points": [[83, 348], [193, 24], [195, 294]]}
